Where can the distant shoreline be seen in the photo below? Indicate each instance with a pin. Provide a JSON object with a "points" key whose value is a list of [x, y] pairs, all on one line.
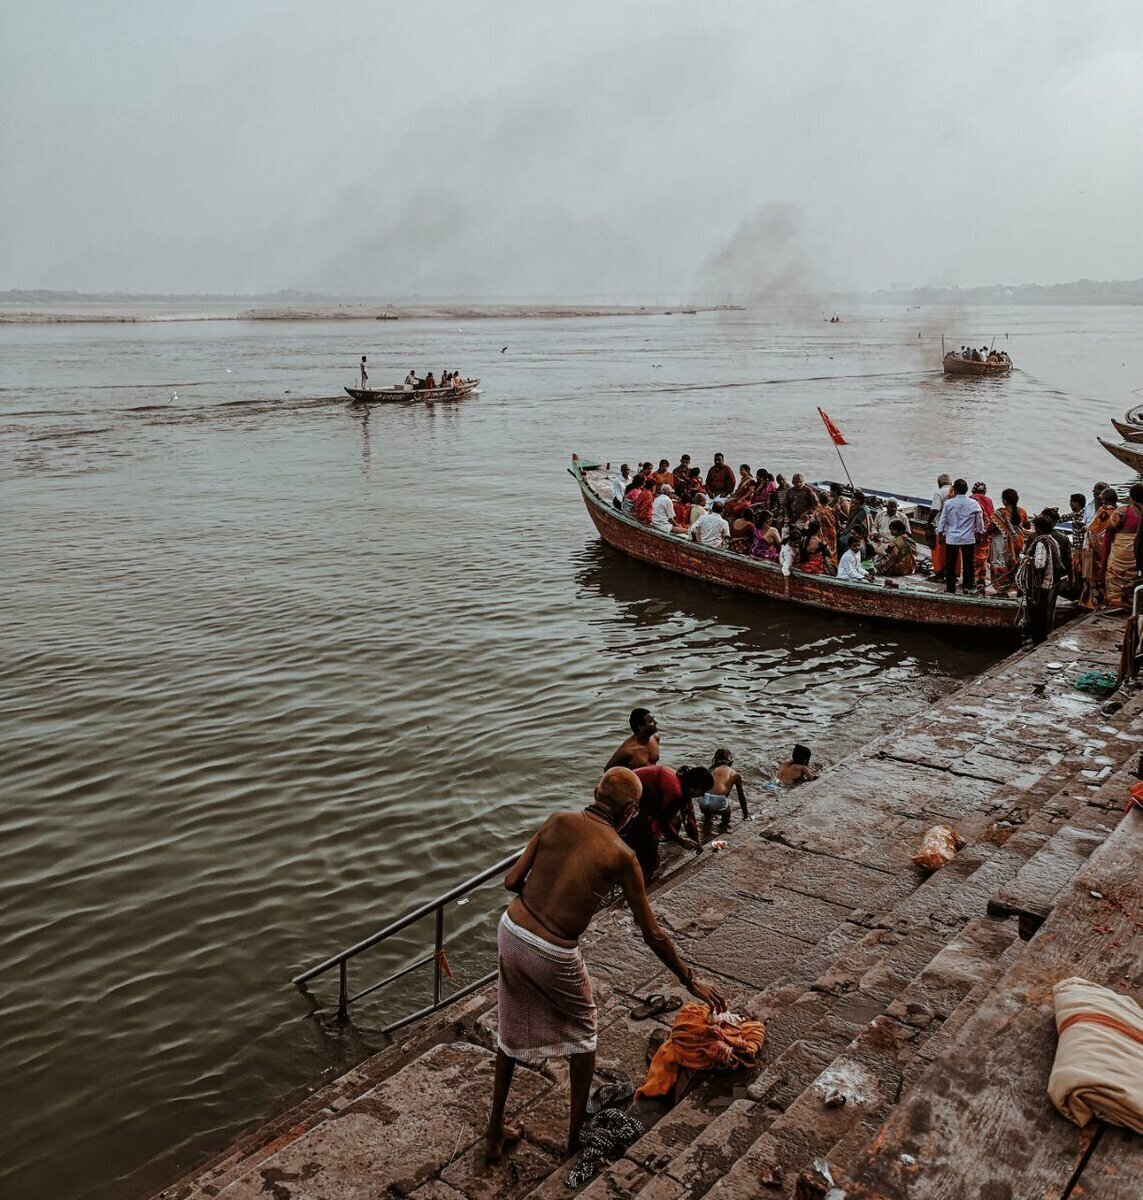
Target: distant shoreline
{"points": [[427, 312]]}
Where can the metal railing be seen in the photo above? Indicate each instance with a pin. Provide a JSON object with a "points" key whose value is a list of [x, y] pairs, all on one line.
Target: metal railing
{"points": [[437, 957]]}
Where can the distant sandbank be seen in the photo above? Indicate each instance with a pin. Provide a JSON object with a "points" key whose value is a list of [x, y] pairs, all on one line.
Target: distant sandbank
{"points": [[100, 314]]}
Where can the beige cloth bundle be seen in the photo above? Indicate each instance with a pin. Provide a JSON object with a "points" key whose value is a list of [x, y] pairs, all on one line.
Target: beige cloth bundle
{"points": [[1098, 1070]]}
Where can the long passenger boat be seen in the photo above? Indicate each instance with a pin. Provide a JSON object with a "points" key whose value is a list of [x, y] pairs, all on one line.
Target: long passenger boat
{"points": [[912, 599], [404, 392], [1131, 455]]}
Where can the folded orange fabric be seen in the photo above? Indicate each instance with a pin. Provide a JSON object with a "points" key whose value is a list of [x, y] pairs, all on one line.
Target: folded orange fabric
{"points": [[698, 1042]]}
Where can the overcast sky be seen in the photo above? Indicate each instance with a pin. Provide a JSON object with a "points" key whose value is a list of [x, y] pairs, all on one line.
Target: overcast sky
{"points": [[589, 149]]}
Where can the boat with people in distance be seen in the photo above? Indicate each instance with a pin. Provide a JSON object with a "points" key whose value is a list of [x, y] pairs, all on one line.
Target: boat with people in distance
{"points": [[909, 599], [997, 363], [1131, 455], [1129, 433], [410, 393]]}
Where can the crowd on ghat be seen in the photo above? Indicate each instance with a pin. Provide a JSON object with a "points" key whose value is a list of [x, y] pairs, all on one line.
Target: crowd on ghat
{"points": [[1092, 553]]}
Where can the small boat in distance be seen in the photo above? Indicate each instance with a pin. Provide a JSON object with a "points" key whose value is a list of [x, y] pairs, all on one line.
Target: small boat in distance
{"points": [[406, 393], [954, 364], [1129, 433], [1131, 455]]}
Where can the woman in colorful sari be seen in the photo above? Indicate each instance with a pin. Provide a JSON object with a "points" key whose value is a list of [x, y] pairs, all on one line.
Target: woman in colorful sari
{"points": [[987, 508], [767, 540], [741, 534], [1093, 595], [742, 496], [1124, 548], [900, 557], [1004, 540], [814, 553], [826, 517], [764, 490]]}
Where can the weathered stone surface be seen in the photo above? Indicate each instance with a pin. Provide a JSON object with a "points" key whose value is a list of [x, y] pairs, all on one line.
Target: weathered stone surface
{"points": [[519, 1172], [745, 951]]}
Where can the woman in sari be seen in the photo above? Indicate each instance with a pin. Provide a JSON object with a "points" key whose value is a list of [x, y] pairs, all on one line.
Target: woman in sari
{"points": [[1004, 541], [767, 540], [900, 557], [741, 534], [826, 517], [742, 496], [1123, 543], [987, 508], [814, 553], [1093, 595], [764, 490]]}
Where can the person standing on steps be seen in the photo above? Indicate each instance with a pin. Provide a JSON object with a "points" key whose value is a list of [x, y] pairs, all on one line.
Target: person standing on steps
{"points": [[545, 1003], [641, 749]]}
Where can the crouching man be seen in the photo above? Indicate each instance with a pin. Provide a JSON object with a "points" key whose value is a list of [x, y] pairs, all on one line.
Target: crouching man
{"points": [[546, 1008]]}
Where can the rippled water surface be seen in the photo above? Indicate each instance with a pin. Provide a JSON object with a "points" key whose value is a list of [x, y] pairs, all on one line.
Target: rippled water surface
{"points": [[276, 669]]}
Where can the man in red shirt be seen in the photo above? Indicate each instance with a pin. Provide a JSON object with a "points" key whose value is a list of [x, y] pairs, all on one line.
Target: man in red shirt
{"points": [[720, 479], [667, 801]]}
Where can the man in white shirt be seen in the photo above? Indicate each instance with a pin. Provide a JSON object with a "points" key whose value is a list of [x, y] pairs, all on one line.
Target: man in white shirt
{"points": [[961, 523], [711, 529], [663, 511], [850, 568], [619, 486]]}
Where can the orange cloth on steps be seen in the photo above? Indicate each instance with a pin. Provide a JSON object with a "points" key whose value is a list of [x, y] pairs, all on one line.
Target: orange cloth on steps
{"points": [[698, 1043]]}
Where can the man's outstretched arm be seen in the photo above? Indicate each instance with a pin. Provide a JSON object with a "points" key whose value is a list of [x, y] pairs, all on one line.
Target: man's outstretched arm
{"points": [[514, 880], [661, 945]]}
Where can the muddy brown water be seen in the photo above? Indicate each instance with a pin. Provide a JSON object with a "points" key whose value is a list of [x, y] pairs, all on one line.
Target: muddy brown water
{"points": [[277, 669]]}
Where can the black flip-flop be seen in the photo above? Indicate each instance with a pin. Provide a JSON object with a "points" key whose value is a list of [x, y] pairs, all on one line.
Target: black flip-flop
{"points": [[653, 1005]]}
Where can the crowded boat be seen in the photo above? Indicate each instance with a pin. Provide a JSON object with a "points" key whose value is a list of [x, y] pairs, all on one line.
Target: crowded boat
{"points": [[1088, 552]]}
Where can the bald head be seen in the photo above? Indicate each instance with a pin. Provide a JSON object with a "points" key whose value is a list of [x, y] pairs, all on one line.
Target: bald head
{"points": [[618, 789]]}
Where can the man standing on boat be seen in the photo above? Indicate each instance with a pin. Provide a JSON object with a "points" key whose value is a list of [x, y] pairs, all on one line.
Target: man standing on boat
{"points": [[961, 526], [641, 749], [545, 1005], [364, 374]]}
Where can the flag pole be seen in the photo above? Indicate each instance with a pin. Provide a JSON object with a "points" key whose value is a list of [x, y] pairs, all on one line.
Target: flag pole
{"points": [[843, 466]]}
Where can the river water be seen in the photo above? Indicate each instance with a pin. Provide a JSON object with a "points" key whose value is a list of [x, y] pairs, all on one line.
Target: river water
{"points": [[276, 670]]}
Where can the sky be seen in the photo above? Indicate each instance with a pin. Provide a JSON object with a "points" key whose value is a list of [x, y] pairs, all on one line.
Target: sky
{"points": [[627, 149]]}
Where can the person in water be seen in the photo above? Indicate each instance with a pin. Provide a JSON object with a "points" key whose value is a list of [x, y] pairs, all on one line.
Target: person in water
{"points": [[545, 1004], [641, 749], [796, 769]]}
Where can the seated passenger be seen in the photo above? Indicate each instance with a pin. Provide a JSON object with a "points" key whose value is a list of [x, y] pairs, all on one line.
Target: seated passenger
{"points": [[430, 382], [663, 511], [765, 490], [741, 534], [814, 558], [664, 473], [720, 480], [411, 379], [850, 568], [641, 500], [628, 505], [796, 769], [619, 486], [767, 543], [826, 519], [791, 550], [900, 556], [711, 529], [682, 475]]}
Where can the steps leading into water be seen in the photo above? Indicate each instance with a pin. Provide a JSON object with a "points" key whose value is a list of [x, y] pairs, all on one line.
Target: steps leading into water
{"points": [[867, 972]]}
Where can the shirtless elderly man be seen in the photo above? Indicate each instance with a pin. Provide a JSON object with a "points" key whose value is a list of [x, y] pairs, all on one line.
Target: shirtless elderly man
{"points": [[546, 1008]]}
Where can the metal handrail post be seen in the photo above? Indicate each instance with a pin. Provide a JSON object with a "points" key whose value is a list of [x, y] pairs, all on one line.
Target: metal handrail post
{"points": [[343, 991], [438, 951]]}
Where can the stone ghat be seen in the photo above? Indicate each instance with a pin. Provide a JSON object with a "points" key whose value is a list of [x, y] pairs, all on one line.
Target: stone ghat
{"points": [[927, 998]]}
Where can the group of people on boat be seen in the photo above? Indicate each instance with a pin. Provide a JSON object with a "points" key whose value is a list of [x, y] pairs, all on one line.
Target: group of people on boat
{"points": [[451, 379], [983, 355], [1092, 554]]}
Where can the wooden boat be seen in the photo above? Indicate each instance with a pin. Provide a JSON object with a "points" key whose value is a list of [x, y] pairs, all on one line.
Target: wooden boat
{"points": [[1131, 455], [1129, 433], [913, 600], [953, 364], [396, 395], [1134, 416]]}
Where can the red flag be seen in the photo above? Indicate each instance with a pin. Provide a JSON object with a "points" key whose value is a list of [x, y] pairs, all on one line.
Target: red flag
{"points": [[833, 430]]}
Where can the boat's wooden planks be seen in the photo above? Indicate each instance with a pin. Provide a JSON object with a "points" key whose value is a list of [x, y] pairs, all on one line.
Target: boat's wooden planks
{"points": [[1131, 455]]}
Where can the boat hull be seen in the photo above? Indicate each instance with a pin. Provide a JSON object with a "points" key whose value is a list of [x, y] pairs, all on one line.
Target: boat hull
{"points": [[1131, 455], [955, 365], [897, 604], [408, 396], [1129, 433]]}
